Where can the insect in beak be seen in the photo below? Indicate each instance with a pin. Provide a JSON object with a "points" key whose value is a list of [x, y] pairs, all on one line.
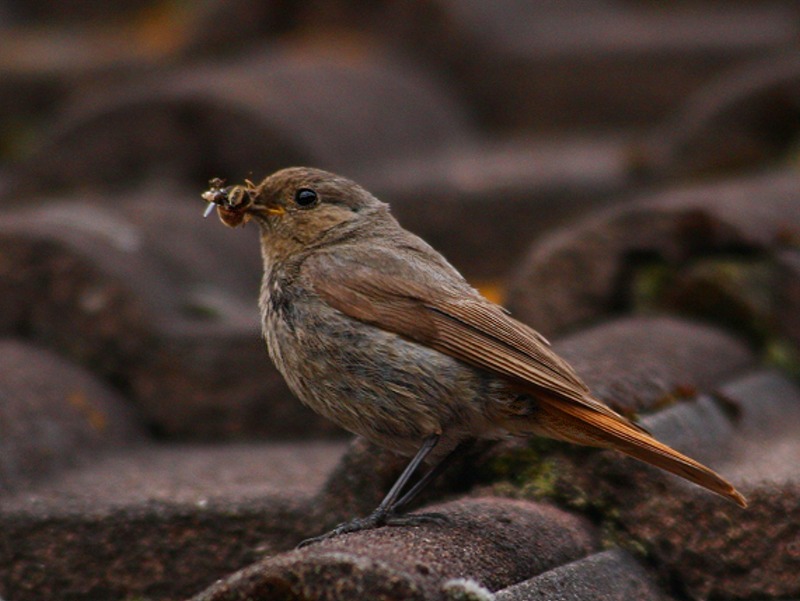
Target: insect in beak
{"points": [[233, 203], [215, 196]]}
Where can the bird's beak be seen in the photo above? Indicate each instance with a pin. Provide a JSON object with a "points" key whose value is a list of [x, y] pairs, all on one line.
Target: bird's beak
{"points": [[276, 210]]}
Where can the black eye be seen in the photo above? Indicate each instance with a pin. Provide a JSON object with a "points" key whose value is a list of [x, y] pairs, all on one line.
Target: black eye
{"points": [[305, 197]]}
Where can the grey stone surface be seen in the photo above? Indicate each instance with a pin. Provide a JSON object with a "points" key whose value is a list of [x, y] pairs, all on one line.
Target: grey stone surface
{"points": [[578, 275], [182, 474], [736, 122], [646, 363], [715, 549], [607, 64], [788, 296], [482, 204], [497, 542], [575, 64], [53, 415], [160, 522], [607, 576], [287, 105]]}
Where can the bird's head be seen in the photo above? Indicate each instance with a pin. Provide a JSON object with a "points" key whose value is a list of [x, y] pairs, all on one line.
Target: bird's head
{"points": [[297, 206]]}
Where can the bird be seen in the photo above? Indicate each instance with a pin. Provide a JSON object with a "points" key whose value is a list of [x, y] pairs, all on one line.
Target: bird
{"points": [[375, 330]]}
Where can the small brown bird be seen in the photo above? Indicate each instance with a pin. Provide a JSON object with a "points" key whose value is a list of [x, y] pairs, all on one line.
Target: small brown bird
{"points": [[374, 329]]}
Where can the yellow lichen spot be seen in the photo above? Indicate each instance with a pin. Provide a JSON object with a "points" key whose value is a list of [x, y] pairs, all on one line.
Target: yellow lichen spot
{"points": [[97, 419], [493, 290]]}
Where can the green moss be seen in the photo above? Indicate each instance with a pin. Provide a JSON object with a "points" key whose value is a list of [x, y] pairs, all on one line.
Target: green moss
{"points": [[648, 286], [200, 311], [544, 470], [522, 472], [732, 291], [613, 536], [737, 294], [542, 482], [561, 474], [519, 464], [783, 355]]}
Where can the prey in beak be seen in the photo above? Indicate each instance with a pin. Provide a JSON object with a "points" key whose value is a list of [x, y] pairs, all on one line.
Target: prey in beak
{"points": [[234, 204]]}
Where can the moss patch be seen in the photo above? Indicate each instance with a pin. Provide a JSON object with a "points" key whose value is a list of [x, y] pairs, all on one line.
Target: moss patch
{"points": [[734, 292], [783, 355]]}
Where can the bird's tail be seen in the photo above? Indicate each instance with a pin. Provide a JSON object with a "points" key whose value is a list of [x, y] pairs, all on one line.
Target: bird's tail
{"points": [[584, 425]]}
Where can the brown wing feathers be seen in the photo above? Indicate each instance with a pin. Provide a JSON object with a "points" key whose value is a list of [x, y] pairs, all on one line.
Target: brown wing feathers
{"points": [[480, 333], [607, 431]]}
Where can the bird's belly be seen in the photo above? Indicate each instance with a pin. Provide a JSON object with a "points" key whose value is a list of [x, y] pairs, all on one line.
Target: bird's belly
{"points": [[390, 390]]}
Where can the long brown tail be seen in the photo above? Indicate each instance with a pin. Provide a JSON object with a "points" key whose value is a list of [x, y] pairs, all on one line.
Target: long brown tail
{"points": [[583, 425]]}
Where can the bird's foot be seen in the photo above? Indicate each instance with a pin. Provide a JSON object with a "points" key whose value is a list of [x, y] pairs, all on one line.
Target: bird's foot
{"points": [[416, 519], [374, 520], [377, 519]]}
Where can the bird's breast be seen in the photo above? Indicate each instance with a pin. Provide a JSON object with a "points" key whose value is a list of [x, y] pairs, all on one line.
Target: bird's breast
{"points": [[369, 381]]}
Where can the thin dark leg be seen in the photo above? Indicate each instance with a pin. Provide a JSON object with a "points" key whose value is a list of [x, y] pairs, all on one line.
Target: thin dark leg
{"points": [[389, 503], [437, 469]]}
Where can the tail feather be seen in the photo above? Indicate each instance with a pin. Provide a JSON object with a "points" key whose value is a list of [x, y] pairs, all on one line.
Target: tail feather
{"points": [[582, 425]]}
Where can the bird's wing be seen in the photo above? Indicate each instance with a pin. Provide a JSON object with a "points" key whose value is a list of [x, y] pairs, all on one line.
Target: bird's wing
{"points": [[453, 320]]}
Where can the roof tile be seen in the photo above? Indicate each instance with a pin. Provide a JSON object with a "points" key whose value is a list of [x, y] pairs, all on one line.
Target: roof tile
{"points": [[497, 542], [610, 576], [290, 104], [159, 300], [54, 414], [640, 363], [577, 275], [157, 521]]}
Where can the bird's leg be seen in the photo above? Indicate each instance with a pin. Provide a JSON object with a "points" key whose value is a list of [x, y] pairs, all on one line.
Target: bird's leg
{"points": [[437, 469], [384, 514], [395, 518], [389, 502]]}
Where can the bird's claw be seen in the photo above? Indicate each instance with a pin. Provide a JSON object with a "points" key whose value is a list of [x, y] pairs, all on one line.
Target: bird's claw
{"points": [[377, 519], [417, 519], [373, 520]]}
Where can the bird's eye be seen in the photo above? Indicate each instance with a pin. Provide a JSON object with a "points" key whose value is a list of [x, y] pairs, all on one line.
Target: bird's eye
{"points": [[305, 197]]}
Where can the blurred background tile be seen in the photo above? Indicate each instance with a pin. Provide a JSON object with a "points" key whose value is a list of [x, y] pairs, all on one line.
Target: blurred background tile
{"points": [[624, 174]]}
